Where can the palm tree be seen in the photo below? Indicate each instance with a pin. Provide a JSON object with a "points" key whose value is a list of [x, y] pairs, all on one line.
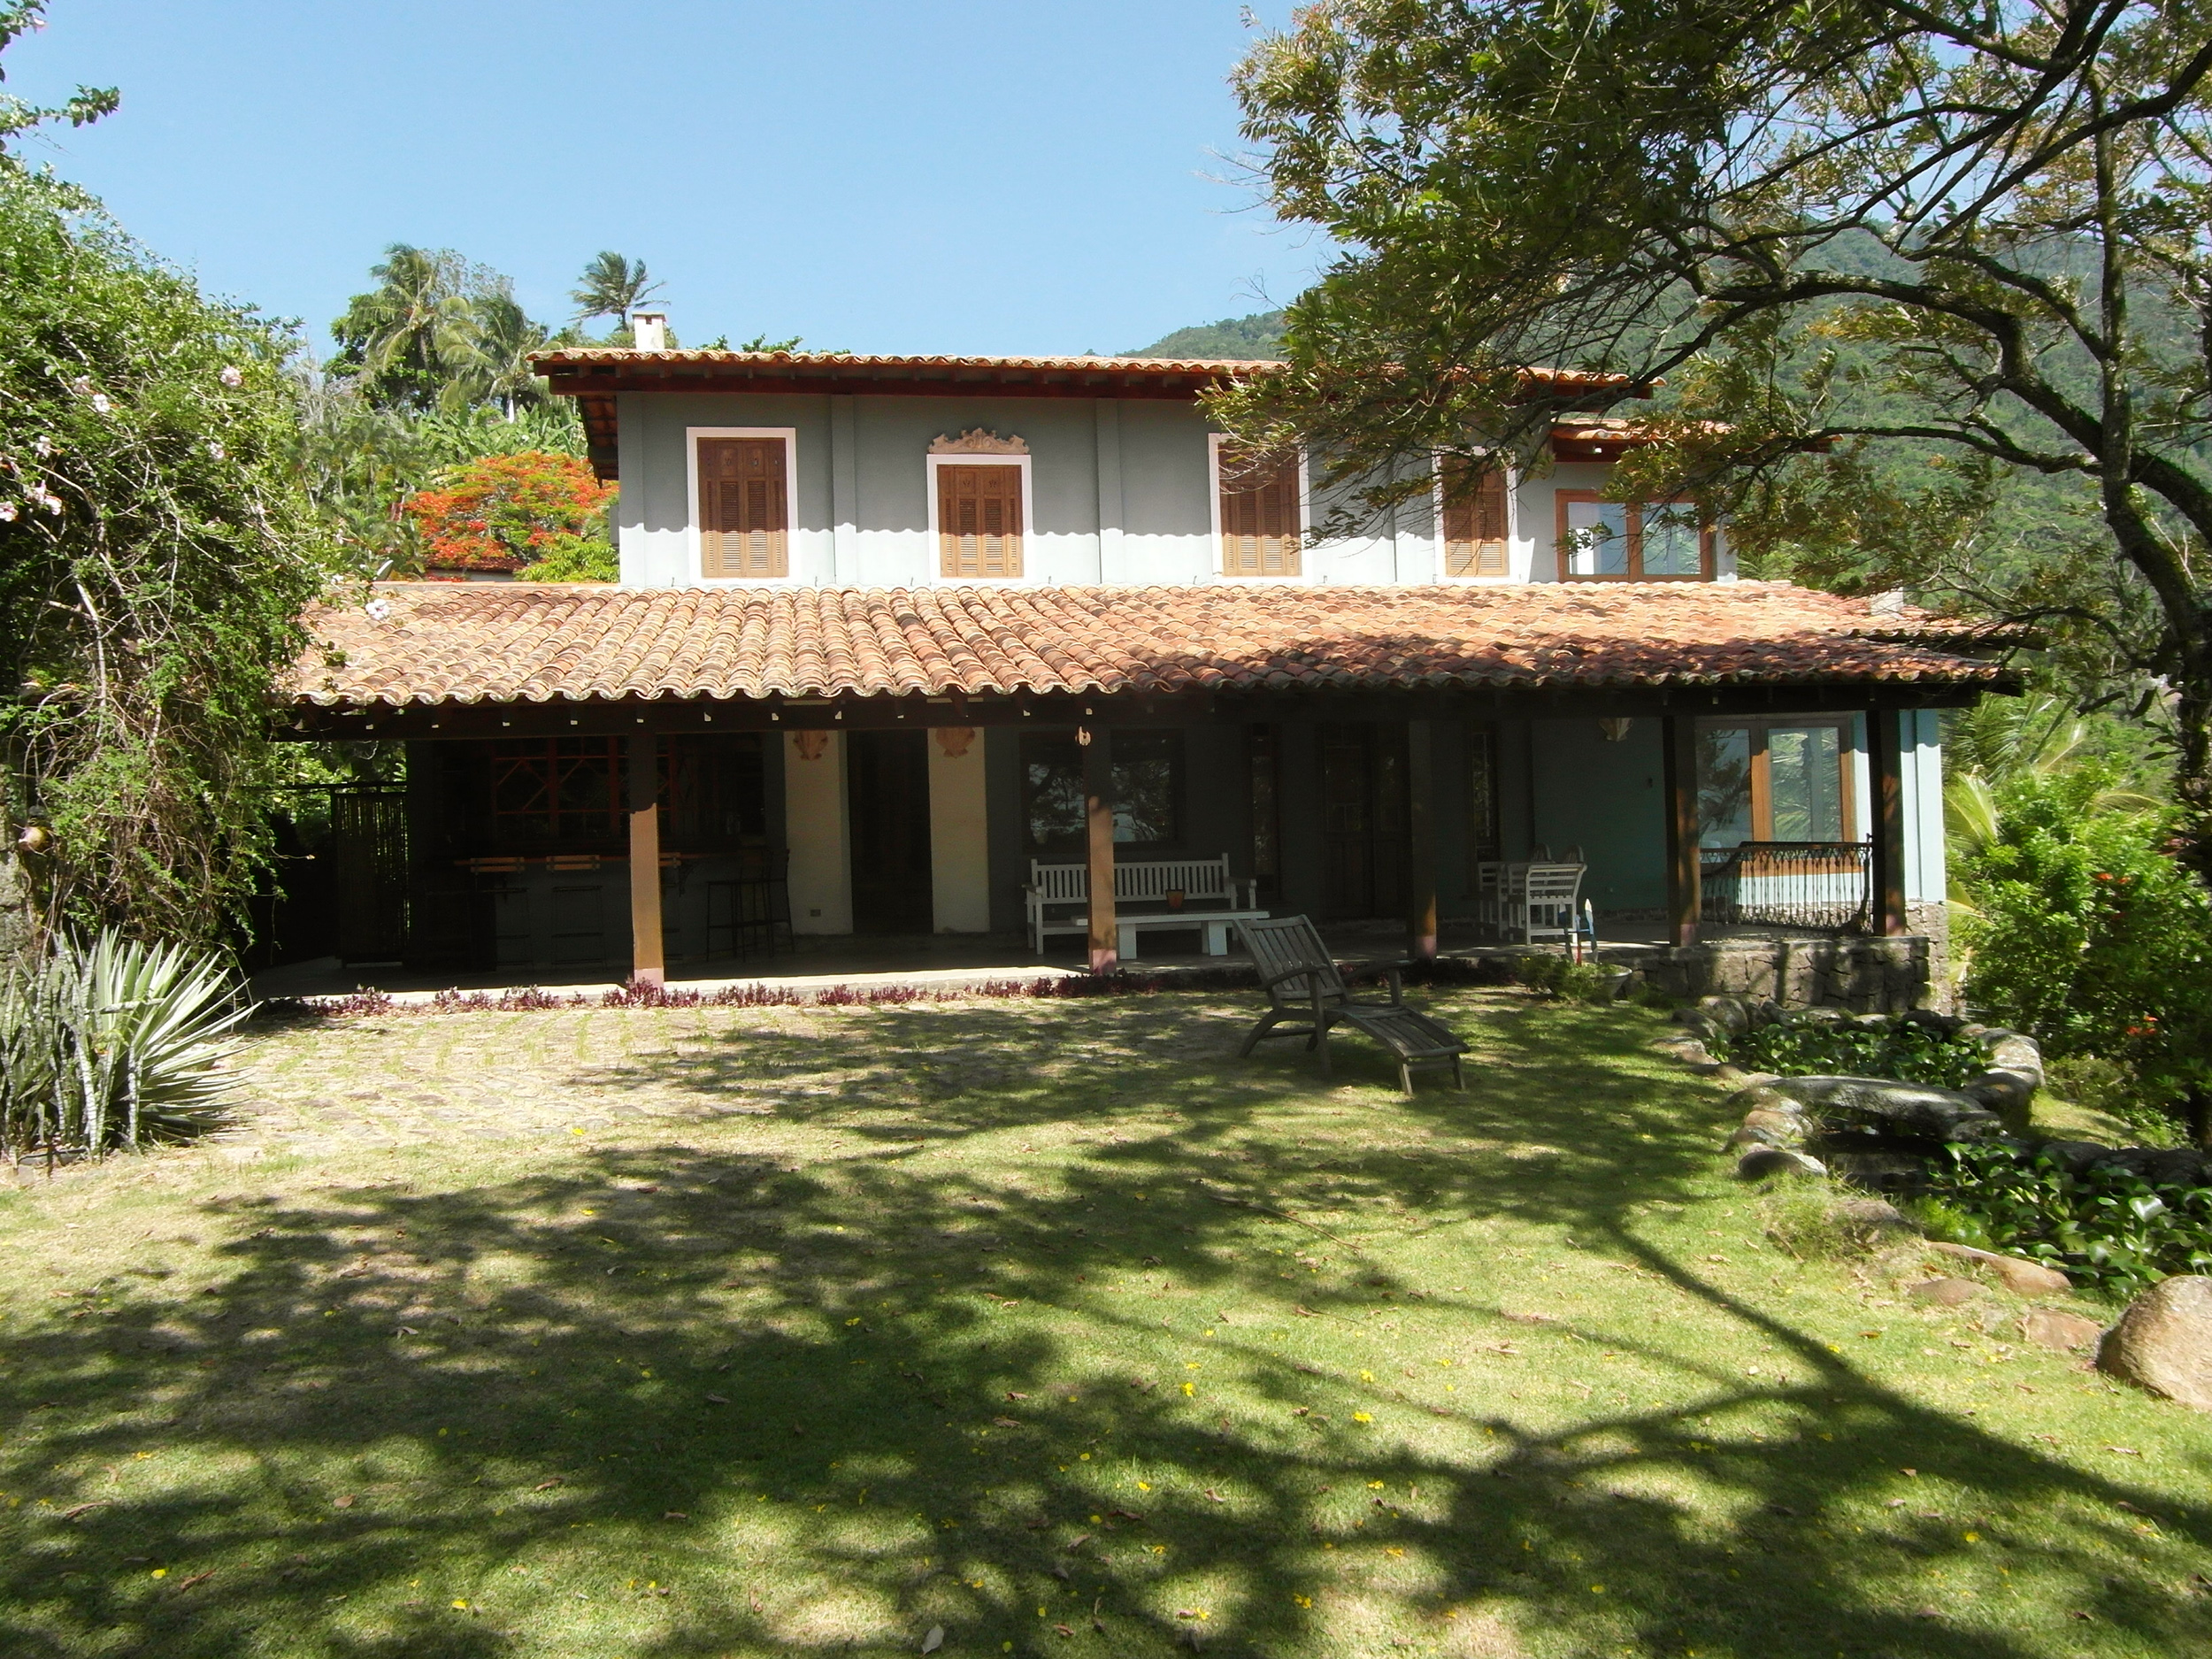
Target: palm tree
{"points": [[499, 339], [407, 335], [612, 287]]}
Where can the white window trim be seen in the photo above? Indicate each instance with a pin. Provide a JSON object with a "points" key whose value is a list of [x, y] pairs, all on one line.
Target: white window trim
{"points": [[1029, 577], [1518, 571], [790, 436], [1307, 549]]}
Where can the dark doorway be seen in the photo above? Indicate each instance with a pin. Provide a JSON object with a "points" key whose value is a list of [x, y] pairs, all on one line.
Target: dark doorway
{"points": [[887, 782], [1362, 819]]}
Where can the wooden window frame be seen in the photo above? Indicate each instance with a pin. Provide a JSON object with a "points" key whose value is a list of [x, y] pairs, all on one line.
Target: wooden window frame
{"points": [[1708, 541], [1028, 530], [1214, 440], [1846, 726], [1516, 567], [790, 436], [542, 762]]}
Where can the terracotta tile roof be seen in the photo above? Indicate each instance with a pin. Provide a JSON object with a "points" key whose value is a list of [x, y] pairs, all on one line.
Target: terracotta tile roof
{"points": [[859, 365], [429, 642]]}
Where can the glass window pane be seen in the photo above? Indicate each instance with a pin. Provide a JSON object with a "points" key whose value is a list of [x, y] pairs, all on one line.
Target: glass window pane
{"points": [[1597, 538], [1671, 540], [1723, 786], [1148, 777], [1805, 777], [1052, 791]]}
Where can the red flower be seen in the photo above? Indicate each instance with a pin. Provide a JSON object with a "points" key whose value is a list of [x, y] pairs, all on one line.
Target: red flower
{"points": [[493, 513]]}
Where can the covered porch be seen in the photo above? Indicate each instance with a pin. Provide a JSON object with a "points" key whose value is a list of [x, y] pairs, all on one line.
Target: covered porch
{"points": [[654, 821]]}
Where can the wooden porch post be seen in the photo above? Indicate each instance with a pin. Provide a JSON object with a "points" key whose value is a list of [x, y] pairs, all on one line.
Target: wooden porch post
{"points": [[648, 965], [1098, 818], [1678, 736], [1886, 765], [1420, 841]]}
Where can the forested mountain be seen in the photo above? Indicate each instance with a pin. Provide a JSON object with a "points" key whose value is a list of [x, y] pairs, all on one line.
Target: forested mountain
{"points": [[1254, 336]]}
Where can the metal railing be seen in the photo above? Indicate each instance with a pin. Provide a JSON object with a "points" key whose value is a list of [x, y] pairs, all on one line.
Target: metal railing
{"points": [[1825, 885]]}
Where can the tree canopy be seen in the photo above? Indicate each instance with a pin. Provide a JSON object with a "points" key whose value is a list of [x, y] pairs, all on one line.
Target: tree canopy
{"points": [[1875, 263], [156, 550]]}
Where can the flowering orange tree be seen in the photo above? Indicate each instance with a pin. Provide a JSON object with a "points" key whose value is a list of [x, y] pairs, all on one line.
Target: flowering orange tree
{"points": [[509, 512]]}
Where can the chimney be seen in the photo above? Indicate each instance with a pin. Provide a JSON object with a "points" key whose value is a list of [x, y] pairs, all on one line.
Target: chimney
{"points": [[649, 330]]}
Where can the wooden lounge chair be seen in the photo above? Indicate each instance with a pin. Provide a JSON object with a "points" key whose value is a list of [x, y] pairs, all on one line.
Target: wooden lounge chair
{"points": [[1304, 982]]}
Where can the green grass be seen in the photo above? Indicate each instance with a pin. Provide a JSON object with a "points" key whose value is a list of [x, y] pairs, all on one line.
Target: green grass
{"points": [[1022, 1316]]}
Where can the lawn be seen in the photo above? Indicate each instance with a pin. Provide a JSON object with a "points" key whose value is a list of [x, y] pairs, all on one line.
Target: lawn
{"points": [[1048, 1323]]}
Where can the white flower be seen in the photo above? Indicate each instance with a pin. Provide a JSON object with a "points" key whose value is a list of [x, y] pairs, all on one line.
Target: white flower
{"points": [[7, 512], [100, 402], [378, 609], [44, 446], [216, 449], [233, 376], [81, 385], [47, 499]]}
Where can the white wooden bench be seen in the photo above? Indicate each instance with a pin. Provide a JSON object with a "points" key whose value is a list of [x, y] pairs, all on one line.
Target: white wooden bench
{"points": [[1056, 893]]}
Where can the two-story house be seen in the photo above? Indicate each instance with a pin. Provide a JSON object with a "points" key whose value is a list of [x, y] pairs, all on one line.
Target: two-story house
{"points": [[889, 629]]}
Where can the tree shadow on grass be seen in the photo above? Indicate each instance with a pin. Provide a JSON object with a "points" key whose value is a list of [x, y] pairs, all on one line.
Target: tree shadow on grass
{"points": [[827, 1410]]}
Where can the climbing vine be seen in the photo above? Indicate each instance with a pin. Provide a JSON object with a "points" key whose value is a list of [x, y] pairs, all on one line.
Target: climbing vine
{"points": [[156, 551]]}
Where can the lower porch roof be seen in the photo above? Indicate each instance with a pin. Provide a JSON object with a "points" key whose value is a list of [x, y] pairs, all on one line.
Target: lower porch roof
{"points": [[415, 649]]}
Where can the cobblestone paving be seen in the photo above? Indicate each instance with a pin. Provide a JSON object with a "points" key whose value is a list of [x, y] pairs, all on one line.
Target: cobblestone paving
{"points": [[416, 1079]]}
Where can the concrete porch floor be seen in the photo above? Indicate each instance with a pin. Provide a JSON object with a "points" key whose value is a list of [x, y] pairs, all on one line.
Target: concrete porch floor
{"points": [[940, 961]]}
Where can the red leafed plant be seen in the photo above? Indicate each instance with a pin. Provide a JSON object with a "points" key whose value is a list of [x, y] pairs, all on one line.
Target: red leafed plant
{"points": [[505, 512]]}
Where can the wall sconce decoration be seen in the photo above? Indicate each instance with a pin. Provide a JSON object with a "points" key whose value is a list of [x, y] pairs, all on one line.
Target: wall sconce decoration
{"points": [[953, 741], [810, 745], [1614, 728]]}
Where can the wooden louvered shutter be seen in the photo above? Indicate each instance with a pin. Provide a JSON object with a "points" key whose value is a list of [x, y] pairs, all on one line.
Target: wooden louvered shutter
{"points": [[979, 520], [744, 517], [1261, 535], [1474, 524]]}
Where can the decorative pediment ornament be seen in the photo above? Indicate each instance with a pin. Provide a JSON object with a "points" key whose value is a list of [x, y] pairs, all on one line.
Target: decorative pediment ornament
{"points": [[977, 442]]}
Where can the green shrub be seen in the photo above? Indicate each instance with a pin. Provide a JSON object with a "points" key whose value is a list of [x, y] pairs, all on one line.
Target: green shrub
{"points": [[1807, 1218], [1564, 978], [113, 1043], [2106, 1227], [2099, 1085], [2086, 932], [1910, 1054]]}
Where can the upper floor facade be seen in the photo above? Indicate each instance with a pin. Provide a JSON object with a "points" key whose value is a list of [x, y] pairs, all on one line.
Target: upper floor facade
{"points": [[742, 470]]}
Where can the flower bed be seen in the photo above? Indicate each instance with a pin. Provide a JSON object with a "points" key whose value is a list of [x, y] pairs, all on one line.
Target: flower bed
{"points": [[1798, 1044], [1934, 1111]]}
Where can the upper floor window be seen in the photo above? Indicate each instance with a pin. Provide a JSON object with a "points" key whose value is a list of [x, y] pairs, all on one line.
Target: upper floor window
{"points": [[1259, 503], [1474, 521], [744, 506], [980, 519], [1632, 540]]}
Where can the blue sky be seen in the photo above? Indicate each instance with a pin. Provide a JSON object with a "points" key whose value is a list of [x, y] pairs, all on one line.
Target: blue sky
{"points": [[882, 175]]}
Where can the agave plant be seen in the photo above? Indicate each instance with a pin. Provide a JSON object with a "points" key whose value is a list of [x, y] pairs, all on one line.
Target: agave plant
{"points": [[114, 1043]]}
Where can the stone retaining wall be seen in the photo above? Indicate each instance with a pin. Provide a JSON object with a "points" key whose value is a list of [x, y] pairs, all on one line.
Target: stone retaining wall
{"points": [[1866, 976]]}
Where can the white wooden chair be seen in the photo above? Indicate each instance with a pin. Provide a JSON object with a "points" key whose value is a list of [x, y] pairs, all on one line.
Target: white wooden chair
{"points": [[1548, 904]]}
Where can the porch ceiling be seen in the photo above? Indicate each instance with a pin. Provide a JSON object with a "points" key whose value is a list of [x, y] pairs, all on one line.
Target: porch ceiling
{"points": [[426, 645]]}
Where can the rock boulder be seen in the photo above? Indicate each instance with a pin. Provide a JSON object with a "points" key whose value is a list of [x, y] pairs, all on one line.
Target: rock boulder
{"points": [[2163, 1341], [1875, 1222], [2052, 1327], [1948, 1293], [2021, 1276], [1914, 1111], [1731, 1014], [1761, 1162]]}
